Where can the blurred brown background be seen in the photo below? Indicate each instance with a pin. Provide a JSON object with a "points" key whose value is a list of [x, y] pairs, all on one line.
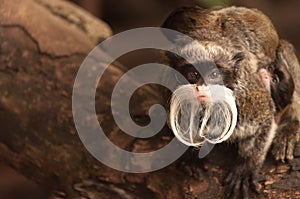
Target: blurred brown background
{"points": [[126, 14]]}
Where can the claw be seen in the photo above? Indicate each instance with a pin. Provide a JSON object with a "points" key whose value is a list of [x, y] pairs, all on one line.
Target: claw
{"points": [[239, 182], [284, 144], [290, 149], [236, 189], [227, 179], [245, 189], [255, 186]]}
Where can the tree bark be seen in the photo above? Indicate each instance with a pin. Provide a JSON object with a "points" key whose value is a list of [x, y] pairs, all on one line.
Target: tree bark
{"points": [[42, 44]]}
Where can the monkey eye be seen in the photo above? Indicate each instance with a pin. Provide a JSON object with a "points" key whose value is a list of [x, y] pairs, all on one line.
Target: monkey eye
{"points": [[193, 76], [215, 74], [270, 68], [275, 79]]}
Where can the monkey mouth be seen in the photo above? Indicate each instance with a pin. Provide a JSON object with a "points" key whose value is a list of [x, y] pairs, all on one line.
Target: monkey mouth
{"points": [[195, 119], [203, 98]]}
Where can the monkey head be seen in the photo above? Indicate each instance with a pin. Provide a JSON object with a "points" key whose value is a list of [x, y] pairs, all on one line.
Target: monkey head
{"points": [[226, 56], [203, 108], [279, 82]]}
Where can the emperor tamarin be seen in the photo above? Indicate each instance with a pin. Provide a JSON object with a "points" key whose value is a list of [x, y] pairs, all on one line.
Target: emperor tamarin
{"points": [[231, 49]]}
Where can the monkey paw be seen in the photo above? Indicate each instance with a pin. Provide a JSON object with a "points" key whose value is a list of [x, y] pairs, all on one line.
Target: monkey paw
{"points": [[239, 183], [283, 145]]}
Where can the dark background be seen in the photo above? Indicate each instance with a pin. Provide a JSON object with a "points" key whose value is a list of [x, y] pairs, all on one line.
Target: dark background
{"points": [[126, 14]]}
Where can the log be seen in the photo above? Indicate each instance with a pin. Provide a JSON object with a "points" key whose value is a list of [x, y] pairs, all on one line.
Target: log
{"points": [[42, 45]]}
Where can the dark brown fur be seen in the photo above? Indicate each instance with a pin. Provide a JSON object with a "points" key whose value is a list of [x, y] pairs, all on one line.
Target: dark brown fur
{"points": [[282, 85], [285, 94], [249, 42]]}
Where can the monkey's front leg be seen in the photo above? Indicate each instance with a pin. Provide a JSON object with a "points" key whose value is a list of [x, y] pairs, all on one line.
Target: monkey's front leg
{"points": [[252, 153], [242, 177]]}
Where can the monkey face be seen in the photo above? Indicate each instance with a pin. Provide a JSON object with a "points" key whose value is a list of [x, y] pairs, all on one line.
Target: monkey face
{"points": [[279, 82], [282, 86], [205, 108]]}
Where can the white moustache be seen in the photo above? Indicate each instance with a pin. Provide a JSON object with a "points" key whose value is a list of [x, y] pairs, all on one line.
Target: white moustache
{"points": [[194, 121]]}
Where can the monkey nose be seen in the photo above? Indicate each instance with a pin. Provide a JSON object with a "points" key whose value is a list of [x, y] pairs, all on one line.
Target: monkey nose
{"points": [[264, 74], [201, 88], [264, 78], [202, 92]]}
